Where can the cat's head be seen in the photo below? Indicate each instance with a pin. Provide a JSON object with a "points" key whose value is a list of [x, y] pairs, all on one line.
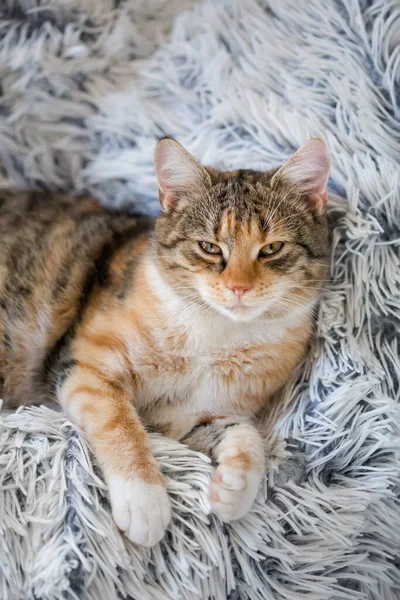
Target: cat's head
{"points": [[243, 243]]}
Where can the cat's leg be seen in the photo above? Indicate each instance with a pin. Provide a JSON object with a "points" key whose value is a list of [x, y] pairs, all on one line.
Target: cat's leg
{"points": [[238, 450], [98, 400]]}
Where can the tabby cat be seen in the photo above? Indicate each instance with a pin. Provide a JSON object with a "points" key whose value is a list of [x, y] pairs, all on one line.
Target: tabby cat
{"points": [[188, 325]]}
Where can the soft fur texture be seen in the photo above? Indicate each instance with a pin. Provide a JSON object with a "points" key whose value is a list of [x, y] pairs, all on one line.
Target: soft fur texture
{"points": [[248, 82], [130, 323]]}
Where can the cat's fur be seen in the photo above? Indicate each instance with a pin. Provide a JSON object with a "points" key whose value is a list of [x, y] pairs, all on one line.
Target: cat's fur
{"points": [[131, 325]]}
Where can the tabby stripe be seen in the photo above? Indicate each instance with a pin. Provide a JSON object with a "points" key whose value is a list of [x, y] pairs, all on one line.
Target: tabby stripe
{"points": [[171, 245], [97, 275], [117, 384], [106, 341], [86, 389]]}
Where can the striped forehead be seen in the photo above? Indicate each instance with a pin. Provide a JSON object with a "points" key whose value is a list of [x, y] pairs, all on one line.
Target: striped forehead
{"points": [[239, 228]]}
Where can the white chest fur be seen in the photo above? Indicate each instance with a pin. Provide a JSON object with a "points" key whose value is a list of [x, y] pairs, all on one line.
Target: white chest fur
{"points": [[211, 365]]}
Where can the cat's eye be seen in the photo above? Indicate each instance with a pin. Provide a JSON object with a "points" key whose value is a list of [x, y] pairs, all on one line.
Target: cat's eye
{"points": [[270, 249], [210, 248]]}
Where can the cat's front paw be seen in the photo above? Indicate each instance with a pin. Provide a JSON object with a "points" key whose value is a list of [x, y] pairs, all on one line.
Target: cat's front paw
{"points": [[233, 488], [141, 510]]}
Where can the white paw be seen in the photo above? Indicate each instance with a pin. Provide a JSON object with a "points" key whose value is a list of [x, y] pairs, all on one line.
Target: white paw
{"points": [[232, 491], [141, 510]]}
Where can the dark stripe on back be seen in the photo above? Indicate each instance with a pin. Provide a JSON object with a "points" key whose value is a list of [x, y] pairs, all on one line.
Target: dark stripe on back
{"points": [[59, 358]]}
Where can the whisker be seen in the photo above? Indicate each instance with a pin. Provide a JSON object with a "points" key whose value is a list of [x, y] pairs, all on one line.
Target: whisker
{"points": [[313, 289]]}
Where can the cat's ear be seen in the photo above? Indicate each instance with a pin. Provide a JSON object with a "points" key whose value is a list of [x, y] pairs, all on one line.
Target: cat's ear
{"points": [[177, 172], [307, 172]]}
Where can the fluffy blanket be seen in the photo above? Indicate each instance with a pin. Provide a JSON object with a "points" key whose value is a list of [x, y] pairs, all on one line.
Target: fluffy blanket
{"points": [[86, 88]]}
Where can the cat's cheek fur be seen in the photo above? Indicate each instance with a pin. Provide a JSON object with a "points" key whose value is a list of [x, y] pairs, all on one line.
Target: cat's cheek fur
{"points": [[141, 510]]}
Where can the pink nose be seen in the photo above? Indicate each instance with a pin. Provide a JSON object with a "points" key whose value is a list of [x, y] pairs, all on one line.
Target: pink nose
{"points": [[239, 290]]}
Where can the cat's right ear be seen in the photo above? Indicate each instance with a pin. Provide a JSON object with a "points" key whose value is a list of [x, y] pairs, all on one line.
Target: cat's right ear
{"points": [[307, 172], [177, 172]]}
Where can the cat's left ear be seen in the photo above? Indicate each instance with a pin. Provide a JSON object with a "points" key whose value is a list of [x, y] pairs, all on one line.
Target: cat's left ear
{"points": [[307, 172], [178, 172]]}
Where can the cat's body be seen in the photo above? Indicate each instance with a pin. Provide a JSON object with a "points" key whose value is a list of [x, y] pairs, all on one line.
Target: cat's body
{"points": [[103, 311], [198, 364]]}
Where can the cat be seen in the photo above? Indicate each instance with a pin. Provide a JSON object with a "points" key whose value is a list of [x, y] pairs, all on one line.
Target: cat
{"points": [[189, 324]]}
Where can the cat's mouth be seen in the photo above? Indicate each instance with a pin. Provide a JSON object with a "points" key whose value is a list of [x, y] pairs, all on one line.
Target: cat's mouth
{"points": [[236, 310]]}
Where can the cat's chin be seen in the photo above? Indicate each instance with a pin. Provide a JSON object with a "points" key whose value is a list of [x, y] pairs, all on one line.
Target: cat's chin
{"points": [[240, 313]]}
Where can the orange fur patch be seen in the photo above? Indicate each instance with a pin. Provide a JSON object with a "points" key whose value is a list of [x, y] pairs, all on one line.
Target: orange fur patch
{"points": [[240, 461]]}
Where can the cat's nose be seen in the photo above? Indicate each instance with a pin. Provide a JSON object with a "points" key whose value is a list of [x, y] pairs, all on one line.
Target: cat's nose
{"points": [[238, 289]]}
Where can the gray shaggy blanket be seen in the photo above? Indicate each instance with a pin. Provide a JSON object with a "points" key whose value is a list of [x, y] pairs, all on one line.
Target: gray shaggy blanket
{"points": [[86, 87]]}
